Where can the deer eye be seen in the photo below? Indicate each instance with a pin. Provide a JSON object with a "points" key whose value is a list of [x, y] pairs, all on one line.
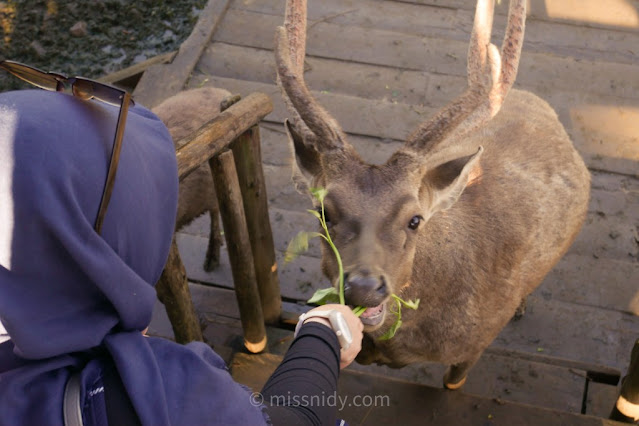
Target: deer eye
{"points": [[414, 222]]}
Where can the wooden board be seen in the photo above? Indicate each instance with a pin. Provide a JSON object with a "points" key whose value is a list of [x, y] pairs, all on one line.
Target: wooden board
{"points": [[367, 399]]}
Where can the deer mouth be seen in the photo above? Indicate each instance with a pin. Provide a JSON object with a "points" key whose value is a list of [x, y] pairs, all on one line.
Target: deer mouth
{"points": [[374, 315]]}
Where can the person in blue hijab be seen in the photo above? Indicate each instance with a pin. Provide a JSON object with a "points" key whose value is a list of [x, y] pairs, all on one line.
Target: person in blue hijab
{"points": [[75, 302]]}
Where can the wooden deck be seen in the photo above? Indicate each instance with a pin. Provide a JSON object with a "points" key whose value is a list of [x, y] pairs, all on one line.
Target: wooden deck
{"points": [[382, 67]]}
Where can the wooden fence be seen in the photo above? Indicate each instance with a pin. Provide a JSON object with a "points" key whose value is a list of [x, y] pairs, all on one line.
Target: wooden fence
{"points": [[231, 144]]}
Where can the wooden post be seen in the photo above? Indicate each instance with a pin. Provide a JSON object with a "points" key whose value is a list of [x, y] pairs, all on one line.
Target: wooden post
{"points": [[239, 249], [173, 291], [626, 408], [248, 161]]}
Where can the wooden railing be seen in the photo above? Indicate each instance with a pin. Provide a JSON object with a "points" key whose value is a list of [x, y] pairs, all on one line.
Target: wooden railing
{"points": [[231, 144]]}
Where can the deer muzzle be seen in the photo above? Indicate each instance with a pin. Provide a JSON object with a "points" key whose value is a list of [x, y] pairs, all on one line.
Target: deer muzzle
{"points": [[365, 289]]}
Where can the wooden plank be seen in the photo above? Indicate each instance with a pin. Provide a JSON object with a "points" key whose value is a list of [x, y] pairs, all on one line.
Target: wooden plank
{"points": [[386, 15], [239, 246], [620, 15], [579, 109], [282, 194], [600, 399], [248, 162], [298, 280], [595, 372], [418, 404], [503, 378], [602, 127], [435, 55], [349, 43], [129, 77], [367, 399], [218, 309], [284, 222], [571, 331], [225, 303], [451, 22], [613, 151], [276, 151], [323, 75], [356, 115], [398, 86], [220, 131], [162, 81], [606, 283]]}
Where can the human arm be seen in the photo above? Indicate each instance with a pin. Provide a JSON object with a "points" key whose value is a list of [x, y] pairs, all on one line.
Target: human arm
{"points": [[302, 389]]}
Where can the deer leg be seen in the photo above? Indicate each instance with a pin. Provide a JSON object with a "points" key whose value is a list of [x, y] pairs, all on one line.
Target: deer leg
{"points": [[173, 291], [212, 259], [455, 375]]}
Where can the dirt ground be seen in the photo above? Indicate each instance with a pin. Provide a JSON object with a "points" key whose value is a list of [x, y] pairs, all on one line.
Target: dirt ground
{"points": [[91, 38]]}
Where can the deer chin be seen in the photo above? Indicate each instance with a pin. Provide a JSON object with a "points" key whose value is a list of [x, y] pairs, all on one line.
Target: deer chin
{"points": [[373, 317]]}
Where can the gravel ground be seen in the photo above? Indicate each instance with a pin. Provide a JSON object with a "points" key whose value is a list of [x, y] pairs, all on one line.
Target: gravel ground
{"points": [[91, 38]]}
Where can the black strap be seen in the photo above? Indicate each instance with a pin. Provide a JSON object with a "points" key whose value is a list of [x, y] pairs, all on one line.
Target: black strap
{"points": [[120, 411]]}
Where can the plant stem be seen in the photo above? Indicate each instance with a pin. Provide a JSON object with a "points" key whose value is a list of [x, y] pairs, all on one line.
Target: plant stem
{"points": [[340, 267]]}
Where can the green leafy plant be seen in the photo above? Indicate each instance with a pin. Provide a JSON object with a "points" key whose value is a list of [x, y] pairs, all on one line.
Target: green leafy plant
{"points": [[412, 304], [299, 245]]}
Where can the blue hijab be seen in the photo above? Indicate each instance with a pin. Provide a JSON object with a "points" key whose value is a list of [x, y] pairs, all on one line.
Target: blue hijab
{"points": [[66, 291]]}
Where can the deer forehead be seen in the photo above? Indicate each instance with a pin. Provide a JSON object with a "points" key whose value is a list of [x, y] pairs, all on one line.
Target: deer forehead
{"points": [[373, 193]]}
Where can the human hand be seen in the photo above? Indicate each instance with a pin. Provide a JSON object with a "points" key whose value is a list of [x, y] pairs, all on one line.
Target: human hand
{"points": [[347, 356]]}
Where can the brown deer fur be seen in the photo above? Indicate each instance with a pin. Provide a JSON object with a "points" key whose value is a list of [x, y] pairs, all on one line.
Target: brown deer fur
{"points": [[183, 114], [495, 193]]}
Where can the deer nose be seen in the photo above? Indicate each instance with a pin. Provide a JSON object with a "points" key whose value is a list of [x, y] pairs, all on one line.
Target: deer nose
{"points": [[365, 289]]}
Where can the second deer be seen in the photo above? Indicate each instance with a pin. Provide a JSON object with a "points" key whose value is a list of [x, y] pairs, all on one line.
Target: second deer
{"points": [[468, 216], [183, 114]]}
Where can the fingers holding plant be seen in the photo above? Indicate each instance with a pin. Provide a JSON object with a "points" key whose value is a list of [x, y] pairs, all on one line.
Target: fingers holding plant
{"points": [[355, 326]]}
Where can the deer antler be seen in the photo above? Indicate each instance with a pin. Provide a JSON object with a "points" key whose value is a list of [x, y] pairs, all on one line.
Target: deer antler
{"points": [[311, 120], [491, 74]]}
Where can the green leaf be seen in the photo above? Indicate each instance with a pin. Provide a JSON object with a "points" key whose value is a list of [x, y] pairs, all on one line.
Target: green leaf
{"points": [[315, 213], [391, 332], [412, 304], [324, 296], [397, 311], [359, 310], [298, 245], [319, 193]]}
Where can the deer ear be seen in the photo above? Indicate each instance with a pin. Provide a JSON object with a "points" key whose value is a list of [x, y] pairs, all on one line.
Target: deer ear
{"points": [[449, 180], [307, 164]]}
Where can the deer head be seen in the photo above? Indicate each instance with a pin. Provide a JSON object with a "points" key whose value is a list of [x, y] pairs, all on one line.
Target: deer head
{"points": [[377, 213]]}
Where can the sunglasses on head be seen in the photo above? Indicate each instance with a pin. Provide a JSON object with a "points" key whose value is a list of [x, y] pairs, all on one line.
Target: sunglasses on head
{"points": [[85, 89]]}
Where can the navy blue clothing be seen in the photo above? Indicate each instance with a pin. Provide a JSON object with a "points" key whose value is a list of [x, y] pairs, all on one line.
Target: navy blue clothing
{"points": [[67, 293]]}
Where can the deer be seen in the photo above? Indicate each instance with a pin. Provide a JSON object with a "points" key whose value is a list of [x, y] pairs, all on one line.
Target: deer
{"points": [[183, 114], [469, 215]]}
